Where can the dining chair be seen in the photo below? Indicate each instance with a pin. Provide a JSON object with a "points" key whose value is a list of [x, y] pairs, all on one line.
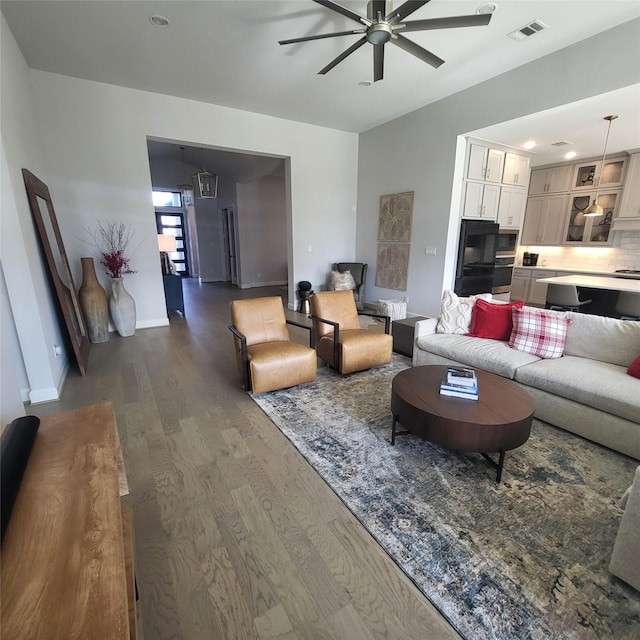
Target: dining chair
{"points": [[564, 297], [628, 305]]}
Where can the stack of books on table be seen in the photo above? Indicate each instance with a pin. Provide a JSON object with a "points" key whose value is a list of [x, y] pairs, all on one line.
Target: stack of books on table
{"points": [[460, 382]]}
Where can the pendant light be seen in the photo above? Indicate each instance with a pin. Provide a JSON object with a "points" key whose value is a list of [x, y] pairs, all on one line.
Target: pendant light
{"points": [[596, 208], [205, 183], [186, 188]]}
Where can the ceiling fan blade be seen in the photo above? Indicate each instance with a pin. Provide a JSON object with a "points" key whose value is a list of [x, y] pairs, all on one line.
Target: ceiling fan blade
{"points": [[342, 56], [405, 9], [417, 51], [343, 11], [378, 62], [447, 23], [320, 37]]}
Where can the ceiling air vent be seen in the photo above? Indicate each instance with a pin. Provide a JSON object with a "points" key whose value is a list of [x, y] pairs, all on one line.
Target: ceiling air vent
{"points": [[560, 143], [528, 30]]}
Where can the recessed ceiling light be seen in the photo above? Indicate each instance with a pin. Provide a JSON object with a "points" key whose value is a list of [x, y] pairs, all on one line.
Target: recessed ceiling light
{"points": [[364, 83], [487, 8], [159, 21], [570, 154], [529, 144]]}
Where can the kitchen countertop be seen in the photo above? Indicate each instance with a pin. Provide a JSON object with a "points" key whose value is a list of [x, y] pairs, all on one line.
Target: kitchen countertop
{"points": [[596, 282], [586, 272]]}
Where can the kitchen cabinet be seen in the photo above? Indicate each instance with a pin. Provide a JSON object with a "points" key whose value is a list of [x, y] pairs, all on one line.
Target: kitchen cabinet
{"points": [[543, 220], [554, 180], [481, 201], [516, 170], [525, 285], [593, 230], [520, 284], [630, 198], [485, 164], [511, 207], [589, 175], [538, 290]]}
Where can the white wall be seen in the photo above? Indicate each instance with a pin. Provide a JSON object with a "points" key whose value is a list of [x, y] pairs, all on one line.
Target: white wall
{"points": [[88, 142], [418, 151], [262, 236], [32, 308]]}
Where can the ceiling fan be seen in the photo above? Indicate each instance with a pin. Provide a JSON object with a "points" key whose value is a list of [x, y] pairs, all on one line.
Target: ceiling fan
{"points": [[384, 24]]}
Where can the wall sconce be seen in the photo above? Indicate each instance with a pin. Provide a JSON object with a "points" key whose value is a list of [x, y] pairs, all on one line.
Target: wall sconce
{"points": [[166, 244]]}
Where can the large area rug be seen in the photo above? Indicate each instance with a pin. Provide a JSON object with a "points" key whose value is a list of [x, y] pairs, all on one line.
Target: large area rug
{"points": [[526, 558]]}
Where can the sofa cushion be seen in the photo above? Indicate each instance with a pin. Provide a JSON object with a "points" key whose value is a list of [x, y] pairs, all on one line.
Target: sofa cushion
{"points": [[490, 320], [600, 385], [538, 333], [634, 368], [455, 312], [481, 353], [605, 339]]}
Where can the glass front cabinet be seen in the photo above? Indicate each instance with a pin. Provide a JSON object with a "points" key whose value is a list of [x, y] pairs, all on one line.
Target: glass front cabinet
{"points": [[593, 230], [610, 174]]}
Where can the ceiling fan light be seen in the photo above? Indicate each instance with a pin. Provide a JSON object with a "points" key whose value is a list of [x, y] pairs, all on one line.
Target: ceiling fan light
{"points": [[379, 33], [594, 210]]}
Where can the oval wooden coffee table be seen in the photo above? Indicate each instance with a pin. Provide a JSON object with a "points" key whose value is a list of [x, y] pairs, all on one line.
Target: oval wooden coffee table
{"points": [[500, 420]]}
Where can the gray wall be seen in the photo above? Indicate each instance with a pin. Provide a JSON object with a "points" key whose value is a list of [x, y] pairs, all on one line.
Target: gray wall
{"points": [[420, 151]]}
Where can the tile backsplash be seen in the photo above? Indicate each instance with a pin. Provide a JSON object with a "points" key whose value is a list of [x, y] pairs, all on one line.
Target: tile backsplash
{"points": [[623, 253]]}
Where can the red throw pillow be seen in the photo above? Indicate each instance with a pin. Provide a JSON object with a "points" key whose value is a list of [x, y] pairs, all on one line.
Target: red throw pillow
{"points": [[634, 368], [492, 320]]}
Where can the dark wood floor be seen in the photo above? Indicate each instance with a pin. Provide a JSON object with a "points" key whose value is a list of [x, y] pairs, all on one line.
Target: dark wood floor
{"points": [[235, 535]]}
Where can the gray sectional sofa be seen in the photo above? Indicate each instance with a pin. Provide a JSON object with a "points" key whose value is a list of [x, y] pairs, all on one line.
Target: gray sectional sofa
{"points": [[587, 391]]}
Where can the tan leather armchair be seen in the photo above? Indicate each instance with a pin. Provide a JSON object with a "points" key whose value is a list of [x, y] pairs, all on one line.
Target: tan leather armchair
{"points": [[338, 338], [267, 359]]}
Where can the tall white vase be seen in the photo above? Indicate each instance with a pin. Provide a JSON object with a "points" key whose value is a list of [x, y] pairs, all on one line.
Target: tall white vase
{"points": [[123, 308]]}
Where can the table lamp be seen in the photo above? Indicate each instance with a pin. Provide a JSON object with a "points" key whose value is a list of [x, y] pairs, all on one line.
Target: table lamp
{"points": [[166, 244]]}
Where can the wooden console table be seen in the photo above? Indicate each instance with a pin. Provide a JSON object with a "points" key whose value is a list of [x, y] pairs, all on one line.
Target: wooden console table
{"points": [[67, 557]]}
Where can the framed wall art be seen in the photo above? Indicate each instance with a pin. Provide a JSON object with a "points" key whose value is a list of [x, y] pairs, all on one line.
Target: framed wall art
{"points": [[394, 222]]}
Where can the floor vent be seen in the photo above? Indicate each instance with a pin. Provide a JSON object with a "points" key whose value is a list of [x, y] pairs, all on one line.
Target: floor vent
{"points": [[528, 30]]}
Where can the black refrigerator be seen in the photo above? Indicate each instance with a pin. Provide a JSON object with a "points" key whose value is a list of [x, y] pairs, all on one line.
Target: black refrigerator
{"points": [[476, 257]]}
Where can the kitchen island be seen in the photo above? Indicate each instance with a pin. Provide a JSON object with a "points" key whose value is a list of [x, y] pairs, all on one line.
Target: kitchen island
{"points": [[602, 290]]}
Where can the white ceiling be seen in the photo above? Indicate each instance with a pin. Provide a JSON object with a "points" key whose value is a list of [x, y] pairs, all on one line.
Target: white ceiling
{"points": [[227, 53]]}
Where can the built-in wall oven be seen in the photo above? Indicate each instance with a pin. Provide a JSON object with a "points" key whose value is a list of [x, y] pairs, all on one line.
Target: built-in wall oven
{"points": [[507, 242], [507, 245], [476, 257], [502, 273]]}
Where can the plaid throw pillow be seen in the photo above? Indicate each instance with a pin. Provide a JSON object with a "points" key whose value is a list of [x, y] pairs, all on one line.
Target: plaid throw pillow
{"points": [[539, 333]]}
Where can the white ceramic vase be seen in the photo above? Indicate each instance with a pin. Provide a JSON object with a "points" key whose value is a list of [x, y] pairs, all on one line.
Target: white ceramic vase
{"points": [[123, 308]]}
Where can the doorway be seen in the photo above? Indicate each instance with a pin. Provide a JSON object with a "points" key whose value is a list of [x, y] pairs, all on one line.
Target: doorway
{"points": [[172, 224]]}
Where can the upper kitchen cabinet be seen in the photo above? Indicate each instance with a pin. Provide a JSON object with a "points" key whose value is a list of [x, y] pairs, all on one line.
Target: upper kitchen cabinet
{"points": [[543, 220], [554, 180], [593, 230], [481, 201], [485, 164], [511, 207], [628, 218], [516, 170], [590, 175]]}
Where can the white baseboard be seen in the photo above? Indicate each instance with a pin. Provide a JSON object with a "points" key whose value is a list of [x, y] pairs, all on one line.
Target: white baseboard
{"points": [[38, 396], [149, 324]]}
